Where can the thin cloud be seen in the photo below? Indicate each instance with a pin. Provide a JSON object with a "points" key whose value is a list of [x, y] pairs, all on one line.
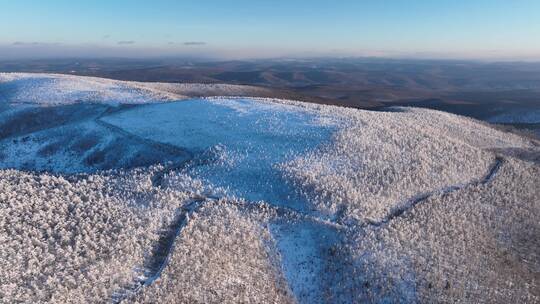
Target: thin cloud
{"points": [[35, 44], [126, 42], [194, 43], [106, 36], [27, 43]]}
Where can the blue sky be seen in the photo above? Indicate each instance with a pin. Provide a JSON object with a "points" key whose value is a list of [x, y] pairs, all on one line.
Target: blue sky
{"points": [[241, 28]]}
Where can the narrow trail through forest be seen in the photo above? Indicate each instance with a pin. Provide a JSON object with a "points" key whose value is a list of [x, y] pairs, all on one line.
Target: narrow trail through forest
{"points": [[411, 203]]}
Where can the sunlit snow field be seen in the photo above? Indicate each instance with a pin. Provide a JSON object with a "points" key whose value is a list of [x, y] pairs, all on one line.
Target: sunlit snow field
{"points": [[116, 191]]}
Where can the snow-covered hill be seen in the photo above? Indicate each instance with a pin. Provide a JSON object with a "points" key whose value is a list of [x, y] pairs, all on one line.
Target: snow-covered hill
{"points": [[117, 191], [59, 89]]}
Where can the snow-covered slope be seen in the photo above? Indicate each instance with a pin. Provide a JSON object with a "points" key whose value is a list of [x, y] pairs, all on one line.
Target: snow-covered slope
{"points": [[51, 122], [382, 160], [244, 139], [255, 200], [50, 89], [56, 89], [79, 240]]}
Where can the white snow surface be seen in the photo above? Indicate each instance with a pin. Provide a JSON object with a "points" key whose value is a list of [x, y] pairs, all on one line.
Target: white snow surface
{"points": [[245, 140]]}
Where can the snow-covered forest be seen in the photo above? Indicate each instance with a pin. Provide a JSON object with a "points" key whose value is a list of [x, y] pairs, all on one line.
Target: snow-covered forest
{"points": [[129, 192]]}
